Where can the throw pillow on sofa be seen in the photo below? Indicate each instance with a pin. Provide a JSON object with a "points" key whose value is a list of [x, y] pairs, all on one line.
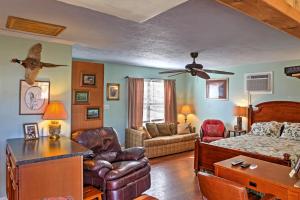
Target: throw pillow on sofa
{"points": [[183, 129], [152, 129], [145, 132], [164, 129], [173, 128], [148, 136]]}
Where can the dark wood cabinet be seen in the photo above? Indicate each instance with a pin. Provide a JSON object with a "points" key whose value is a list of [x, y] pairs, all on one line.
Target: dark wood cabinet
{"points": [[11, 178], [44, 168]]}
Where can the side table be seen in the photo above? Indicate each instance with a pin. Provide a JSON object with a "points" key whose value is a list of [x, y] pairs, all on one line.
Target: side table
{"points": [[91, 193]]}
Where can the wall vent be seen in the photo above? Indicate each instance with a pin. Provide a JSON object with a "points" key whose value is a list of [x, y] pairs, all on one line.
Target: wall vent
{"points": [[32, 26], [259, 83]]}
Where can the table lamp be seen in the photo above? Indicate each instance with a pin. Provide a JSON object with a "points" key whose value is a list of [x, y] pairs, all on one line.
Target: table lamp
{"points": [[55, 111], [186, 110], [239, 112]]}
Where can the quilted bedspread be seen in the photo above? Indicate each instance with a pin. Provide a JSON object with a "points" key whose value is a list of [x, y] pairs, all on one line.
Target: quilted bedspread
{"points": [[269, 146]]}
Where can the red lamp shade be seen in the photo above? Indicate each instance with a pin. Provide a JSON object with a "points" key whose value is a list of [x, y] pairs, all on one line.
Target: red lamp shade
{"points": [[240, 111], [55, 111]]}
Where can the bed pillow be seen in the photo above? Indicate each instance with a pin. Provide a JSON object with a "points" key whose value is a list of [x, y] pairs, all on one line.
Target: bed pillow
{"points": [[291, 131], [271, 129]]}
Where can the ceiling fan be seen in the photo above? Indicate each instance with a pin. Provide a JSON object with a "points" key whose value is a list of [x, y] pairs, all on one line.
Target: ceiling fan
{"points": [[195, 69]]}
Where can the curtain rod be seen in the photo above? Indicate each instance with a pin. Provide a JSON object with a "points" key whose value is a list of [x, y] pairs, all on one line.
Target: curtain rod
{"points": [[126, 77]]}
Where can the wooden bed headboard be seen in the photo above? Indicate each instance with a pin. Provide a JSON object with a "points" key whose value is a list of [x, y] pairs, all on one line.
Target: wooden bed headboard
{"points": [[280, 111]]}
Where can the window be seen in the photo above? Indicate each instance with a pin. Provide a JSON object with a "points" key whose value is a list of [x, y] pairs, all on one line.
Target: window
{"points": [[154, 97]]}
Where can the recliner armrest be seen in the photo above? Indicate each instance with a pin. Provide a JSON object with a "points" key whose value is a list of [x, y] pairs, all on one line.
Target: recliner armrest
{"points": [[96, 165], [134, 153]]}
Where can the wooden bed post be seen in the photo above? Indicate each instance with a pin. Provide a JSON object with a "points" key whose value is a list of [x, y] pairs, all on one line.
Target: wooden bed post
{"points": [[250, 113], [196, 155]]}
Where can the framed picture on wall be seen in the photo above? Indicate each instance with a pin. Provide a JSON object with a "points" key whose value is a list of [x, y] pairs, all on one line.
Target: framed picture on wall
{"points": [[31, 131], [81, 97], [113, 91], [34, 98], [88, 80], [92, 113], [217, 89]]}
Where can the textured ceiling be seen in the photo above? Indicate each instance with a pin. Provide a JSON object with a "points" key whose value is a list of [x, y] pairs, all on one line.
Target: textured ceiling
{"points": [[227, 37], [134, 10]]}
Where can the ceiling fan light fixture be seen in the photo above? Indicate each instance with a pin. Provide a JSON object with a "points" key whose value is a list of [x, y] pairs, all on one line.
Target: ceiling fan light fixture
{"points": [[196, 69]]}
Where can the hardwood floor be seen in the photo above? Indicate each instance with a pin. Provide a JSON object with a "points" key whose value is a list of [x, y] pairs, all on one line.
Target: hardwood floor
{"points": [[173, 178]]}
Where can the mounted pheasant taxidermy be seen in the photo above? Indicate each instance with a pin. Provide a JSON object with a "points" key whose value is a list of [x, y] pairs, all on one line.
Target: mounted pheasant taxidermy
{"points": [[33, 64]]}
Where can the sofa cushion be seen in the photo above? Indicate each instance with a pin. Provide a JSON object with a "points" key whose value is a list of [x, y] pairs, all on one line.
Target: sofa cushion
{"points": [[163, 140], [152, 129], [164, 129], [173, 128], [123, 168]]}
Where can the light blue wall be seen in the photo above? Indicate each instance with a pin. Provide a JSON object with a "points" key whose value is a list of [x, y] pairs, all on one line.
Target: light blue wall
{"points": [[285, 88], [116, 115], [115, 112], [11, 123]]}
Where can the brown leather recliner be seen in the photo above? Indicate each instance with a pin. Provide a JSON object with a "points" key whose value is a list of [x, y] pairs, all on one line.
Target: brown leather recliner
{"points": [[120, 174], [216, 188]]}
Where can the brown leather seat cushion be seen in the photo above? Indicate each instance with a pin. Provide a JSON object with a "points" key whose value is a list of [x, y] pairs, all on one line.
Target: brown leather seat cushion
{"points": [[123, 168], [128, 179]]}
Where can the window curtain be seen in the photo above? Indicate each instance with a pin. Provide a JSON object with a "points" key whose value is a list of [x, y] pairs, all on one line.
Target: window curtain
{"points": [[135, 102], [170, 101]]}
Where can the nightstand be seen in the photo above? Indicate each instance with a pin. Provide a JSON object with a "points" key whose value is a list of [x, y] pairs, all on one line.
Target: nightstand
{"points": [[237, 132]]}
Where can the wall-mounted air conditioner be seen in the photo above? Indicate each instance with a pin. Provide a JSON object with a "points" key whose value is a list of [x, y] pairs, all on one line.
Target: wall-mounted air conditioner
{"points": [[259, 83]]}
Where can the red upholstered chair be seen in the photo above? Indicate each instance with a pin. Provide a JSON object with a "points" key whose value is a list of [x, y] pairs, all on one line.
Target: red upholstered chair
{"points": [[212, 130]]}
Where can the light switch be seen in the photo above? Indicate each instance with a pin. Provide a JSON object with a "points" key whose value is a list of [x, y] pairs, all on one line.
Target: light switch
{"points": [[106, 107]]}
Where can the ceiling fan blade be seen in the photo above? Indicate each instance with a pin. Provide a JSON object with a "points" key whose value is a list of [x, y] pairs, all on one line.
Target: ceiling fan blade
{"points": [[178, 73], [218, 72], [173, 71], [202, 74]]}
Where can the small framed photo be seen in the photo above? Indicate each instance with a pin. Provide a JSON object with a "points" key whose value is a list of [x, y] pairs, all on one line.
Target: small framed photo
{"points": [[88, 80], [81, 97], [217, 89], [113, 91], [31, 131], [92, 113]]}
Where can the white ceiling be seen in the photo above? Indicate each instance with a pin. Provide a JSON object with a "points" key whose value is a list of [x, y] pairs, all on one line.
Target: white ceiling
{"points": [[227, 37], [134, 10]]}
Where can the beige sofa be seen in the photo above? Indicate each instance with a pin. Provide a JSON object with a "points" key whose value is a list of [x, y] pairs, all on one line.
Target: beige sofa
{"points": [[161, 145]]}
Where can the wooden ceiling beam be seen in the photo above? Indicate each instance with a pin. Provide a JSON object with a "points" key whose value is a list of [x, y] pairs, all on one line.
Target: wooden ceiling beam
{"points": [[277, 13]]}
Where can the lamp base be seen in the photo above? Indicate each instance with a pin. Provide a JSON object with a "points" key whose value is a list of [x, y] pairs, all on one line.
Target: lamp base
{"points": [[239, 123], [54, 130]]}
